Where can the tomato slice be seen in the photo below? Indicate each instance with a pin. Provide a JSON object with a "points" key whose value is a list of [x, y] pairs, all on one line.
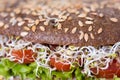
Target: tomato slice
{"points": [[110, 72], [26, 55], [60, 65]]}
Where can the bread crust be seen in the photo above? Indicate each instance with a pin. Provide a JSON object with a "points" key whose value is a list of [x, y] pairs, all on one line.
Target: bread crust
{"points": [[82, 27]]}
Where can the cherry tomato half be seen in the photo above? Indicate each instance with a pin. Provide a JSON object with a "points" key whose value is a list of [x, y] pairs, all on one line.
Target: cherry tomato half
{"points": [[110, 72], [60, 65], [27, 55]]}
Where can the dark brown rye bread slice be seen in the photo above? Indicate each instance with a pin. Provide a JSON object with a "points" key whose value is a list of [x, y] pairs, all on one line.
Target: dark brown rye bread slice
{"points": [[77, 25]]}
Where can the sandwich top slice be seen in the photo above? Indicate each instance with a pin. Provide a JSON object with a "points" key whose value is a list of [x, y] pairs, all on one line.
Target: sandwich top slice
{"points": [[50, 39]]}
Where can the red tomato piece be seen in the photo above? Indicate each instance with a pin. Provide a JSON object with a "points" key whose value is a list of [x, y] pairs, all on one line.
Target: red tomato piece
{"points": [[110, 72], [26, 55], [60, 66], [52, 62]]}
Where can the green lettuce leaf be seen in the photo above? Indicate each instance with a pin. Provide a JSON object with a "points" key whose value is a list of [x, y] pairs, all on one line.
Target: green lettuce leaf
{"points": [[44, 73], [62, 75], [8, 68], [78, 74]]}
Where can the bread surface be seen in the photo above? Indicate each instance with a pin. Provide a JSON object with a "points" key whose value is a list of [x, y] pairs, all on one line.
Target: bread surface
{"points": [[59, 22]]}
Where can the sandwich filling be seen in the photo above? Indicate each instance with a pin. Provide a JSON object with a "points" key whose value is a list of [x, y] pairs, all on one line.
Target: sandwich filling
{"points": [[90, 59]]}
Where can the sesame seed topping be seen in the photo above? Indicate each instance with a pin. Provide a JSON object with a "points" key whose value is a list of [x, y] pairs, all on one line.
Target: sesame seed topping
{"points": [[17, 11], [88, 22], [69, 18], [89, 18], [40, 14], [37, 22], [100, 30], [6, 26], [1, 23], [26, 28], [101, 15], [30, 24], [94, 13], [86, 37], [59, 26], [34, 13], [81, 35], [74, 30], [13, 21], [90, 28], [80, 23], [21, 23], [42, 28], [66, 29], [92, 7], [23, 34], [12, 14], [3, 14], [82, 15], [114, 19], [86, 9], [92, 36], [19, 19], [46, 23], [33, 28], [64, 17]]}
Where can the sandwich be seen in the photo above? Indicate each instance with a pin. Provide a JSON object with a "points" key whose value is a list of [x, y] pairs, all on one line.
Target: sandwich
{"points": [[59, 39]]}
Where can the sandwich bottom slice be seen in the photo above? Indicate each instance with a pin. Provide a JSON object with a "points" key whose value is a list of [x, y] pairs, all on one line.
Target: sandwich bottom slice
{"points": [[26, 60]]}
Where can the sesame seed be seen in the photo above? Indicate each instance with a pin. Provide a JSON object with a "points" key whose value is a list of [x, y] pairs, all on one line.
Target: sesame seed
{"points": [[64, 17], [34, 13], [90, 28], [82, 15], [21, 23], [89, 18], [92, 7], [31, 21], [1, 23], [66, 29], [88, 22], [41, 18], [86, 37], [3, 14], [12, 14], [114, 19], [37, 22], [33, 28], [81, 35], [94, 13], [13, 21], [19, 19], [46, 23], [30, 24], [17, 11], [100, 30], [101, 15], [6, 26], [42, 28], [74, 30], [77, 12], [26, 28], [59, 26], [69, 18], [92, 36], [23, 34], [86, 9], [80, 23]]}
